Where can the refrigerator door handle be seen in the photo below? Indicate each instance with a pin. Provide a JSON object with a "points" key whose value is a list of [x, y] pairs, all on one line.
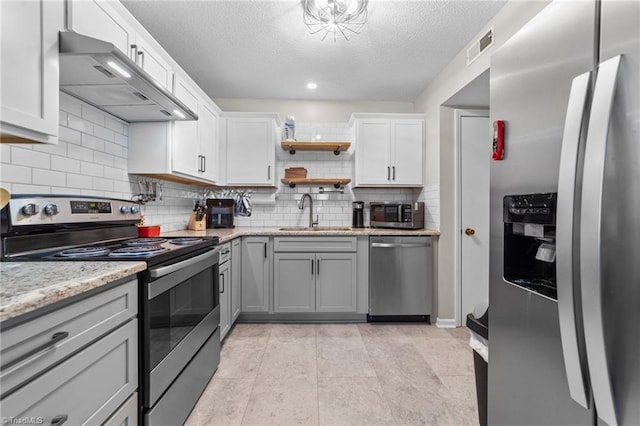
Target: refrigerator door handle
{"points": [[590, 239], [576, 112]]}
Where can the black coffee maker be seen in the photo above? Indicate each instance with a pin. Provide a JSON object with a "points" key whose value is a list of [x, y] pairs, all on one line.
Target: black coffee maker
{"points": [[358, 214]]}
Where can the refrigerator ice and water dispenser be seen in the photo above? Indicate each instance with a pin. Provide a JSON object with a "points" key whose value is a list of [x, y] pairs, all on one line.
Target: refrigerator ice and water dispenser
{"points": [[529, 242]]}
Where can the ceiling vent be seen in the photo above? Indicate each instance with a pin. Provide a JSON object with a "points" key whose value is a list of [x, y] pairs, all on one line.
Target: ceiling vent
{"points": [[485, 42]]}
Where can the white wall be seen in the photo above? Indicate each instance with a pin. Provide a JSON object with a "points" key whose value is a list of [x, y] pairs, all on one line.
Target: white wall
{"points": [[440, 149], [322, 111]]}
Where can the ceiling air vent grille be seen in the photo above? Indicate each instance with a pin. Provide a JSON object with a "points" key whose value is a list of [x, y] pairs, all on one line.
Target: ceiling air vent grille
{"points": [[485, 42]]}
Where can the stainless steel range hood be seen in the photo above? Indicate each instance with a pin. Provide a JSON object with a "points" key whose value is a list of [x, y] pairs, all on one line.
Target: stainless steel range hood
{"points": [[101, 75]]}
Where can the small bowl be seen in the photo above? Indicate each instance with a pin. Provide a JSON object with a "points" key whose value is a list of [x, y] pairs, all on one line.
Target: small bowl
{"points": [[149, 231]]}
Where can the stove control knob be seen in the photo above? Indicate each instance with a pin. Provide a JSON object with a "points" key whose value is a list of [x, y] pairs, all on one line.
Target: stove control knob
{"points": [[51, 209], [30, 209], [135, 209], [125, 209]]}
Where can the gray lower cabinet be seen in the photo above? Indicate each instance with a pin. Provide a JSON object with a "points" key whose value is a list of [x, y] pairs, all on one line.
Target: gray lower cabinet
{"points": [[127, 414], [315, 274], [225, 299], [256, 260], [294, 285], [77, 364], [336, 282], [84, 389], [236, 279]]}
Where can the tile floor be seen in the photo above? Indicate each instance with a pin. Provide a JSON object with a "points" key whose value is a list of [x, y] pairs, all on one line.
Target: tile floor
{"points": [[332, 374]]}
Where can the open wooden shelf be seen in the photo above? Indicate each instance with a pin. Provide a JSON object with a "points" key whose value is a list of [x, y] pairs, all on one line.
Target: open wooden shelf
{"points": [[336, 182], [336, 147]]}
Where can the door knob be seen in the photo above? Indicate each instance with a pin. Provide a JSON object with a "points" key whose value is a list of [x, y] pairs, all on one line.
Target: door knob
{"points": [[470, 231]]}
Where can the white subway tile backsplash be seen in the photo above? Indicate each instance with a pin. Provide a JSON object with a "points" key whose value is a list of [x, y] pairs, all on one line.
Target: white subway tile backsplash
{"points": [[102, 184], [104, 134], [15, 174], [70, 104], [94, 115], [65, 164], [18, 188], [79, 181], [102, 158], [24, 156], [114, 124], [91, 169], [48, 177], [69, 135], [92, 142], [79, 153], [113, 149], [77, 123]]}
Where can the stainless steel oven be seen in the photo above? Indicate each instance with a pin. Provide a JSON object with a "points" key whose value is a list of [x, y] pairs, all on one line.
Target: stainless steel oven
{"points": [[179, 332], [179, 301]]}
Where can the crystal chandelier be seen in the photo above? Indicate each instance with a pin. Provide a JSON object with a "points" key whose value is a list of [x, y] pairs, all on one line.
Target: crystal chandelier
{"points": [[339, 18]]}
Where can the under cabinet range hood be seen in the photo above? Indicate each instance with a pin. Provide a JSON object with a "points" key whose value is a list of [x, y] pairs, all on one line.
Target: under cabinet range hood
{"points": [[101, 75]]}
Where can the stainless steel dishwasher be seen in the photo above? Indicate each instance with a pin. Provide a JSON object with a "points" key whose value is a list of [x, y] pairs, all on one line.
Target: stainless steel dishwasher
{"points": [[400, 279]]}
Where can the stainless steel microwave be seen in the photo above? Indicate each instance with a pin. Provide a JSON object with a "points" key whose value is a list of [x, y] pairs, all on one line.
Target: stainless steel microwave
{"points": [[397, 214]]}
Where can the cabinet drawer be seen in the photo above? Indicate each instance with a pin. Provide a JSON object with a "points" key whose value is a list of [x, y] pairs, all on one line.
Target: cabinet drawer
{"points": [[87, 388], [81, 322], [315, 244]]}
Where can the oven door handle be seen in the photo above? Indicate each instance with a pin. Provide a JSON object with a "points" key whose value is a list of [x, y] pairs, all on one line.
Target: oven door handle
{"points": [[166, 270]]}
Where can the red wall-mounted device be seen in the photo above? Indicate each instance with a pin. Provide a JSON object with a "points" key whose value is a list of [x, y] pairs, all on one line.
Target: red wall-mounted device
{"points": [[498, 140]]}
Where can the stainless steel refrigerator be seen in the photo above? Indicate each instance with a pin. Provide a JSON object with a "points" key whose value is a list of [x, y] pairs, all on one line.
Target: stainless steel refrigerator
{"points": [[564, 329]]}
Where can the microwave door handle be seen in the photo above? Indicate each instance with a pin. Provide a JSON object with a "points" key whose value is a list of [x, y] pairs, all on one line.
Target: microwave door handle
{"points": [[573, 126], [166, 270], [591, 239]]}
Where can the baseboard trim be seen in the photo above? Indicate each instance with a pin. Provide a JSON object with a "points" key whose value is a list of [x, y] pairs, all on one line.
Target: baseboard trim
{"points": [[446, 323]]}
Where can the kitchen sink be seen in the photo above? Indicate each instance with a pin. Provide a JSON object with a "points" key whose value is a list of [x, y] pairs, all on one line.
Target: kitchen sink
{"points": [[316, 228]]}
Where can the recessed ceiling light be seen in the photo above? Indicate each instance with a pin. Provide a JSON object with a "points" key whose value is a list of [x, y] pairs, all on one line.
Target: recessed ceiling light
{"points": [[312, 86]]}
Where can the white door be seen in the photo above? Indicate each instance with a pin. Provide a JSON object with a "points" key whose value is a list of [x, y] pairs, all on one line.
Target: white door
{"points": [[250, 151], [208, 134], [474, 142], [185, 146]]}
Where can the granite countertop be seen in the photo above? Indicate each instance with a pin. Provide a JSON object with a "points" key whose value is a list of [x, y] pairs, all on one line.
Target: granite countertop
{"points": [[229, 234], [27, 286]]}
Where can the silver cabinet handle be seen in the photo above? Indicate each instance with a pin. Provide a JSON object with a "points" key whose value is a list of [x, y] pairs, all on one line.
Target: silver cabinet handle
{"points": [[590, 239], [55, 339], [398, 245], [318, 267], [204, 163], [269, 172], [141, 55], [311, 266], [388, 173], [59, 420], [265, 250], [222, 276], [134, 52], [574, 120], [394, 172]]}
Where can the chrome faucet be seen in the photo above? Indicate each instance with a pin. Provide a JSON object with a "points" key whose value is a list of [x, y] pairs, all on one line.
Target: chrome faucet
{"points": [[312, 223]]}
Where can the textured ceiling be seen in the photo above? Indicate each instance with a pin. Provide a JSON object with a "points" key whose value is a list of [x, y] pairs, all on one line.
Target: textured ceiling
{"points": [[262, 49]]}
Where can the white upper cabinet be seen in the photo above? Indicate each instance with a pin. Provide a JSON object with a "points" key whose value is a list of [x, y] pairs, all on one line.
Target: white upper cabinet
{"points": [[185, 143], [250, 140], [183, 151], [389, 149], [29, 73], [111, 21], [103, 20]]}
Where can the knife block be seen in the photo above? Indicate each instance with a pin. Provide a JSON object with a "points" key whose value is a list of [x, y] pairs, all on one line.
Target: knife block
{"points": [[197, 225]]}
